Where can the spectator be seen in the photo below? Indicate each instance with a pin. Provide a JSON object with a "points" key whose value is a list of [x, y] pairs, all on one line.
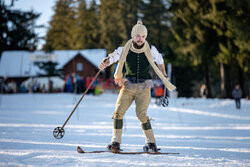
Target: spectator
{"points": [[6, 88], [50, 86], [69, 84], [159, 91], [23, 89], [36, 86], [12, 87], [237, 94], [203, 91], [98, 90]]}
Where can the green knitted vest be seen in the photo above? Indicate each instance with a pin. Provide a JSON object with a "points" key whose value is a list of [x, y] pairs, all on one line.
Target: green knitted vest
{"points": [[137, 67]]}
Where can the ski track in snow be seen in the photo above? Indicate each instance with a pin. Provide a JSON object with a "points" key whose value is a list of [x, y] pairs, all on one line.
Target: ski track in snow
{"points": [[206, 132]]}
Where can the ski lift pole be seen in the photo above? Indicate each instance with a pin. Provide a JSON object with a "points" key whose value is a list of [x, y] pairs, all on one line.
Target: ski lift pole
{"points": [[59, 132]]}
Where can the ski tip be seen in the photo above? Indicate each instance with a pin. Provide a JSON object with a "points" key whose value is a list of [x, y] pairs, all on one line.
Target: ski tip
{"points": [[80, 150]]}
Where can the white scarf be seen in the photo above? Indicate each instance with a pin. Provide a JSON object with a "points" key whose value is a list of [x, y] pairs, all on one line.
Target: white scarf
{"points": [[146, 49]]}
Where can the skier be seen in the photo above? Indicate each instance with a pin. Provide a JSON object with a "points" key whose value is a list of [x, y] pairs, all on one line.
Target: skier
{"points": [[237, 94], [137, 56]]}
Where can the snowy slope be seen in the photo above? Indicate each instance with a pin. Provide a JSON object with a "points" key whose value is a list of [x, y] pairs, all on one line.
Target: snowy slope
{"points": [[205, 132]]}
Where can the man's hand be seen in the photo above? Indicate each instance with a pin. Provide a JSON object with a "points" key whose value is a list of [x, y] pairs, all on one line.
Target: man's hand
{"points": [[162, 68], [104, 64], [167, 77], [119, 82]]}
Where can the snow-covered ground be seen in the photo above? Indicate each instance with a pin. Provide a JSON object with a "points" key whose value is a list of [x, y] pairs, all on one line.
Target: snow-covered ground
{"points": [[206, 132]]}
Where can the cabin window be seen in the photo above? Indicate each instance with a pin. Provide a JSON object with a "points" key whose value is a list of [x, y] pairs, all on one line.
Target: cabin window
{"points": [[79, 66]]}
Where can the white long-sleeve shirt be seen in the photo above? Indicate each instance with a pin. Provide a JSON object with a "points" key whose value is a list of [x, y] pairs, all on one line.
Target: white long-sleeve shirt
{"points": [[115, 56]]}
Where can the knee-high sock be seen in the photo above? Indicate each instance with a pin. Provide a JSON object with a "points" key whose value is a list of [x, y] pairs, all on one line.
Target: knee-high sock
{"points": [[117, 130], [148, 132]]}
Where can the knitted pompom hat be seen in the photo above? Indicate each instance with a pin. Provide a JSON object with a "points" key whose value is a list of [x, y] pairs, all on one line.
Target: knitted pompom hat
{"points": [[139, 28]]}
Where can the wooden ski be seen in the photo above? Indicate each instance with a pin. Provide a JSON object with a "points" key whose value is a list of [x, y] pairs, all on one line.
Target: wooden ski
{"points": [[115, 151]]}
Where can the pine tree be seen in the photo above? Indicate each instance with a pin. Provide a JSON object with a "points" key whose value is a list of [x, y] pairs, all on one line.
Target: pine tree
{"points": [[94, 26], [61, 31], [87, 25], [49, 68], [81, 16], [113, 30], [154, 17], [196, 40], [231, 24], [131, 10], [210, 34], [17, 29], [240, 29]]}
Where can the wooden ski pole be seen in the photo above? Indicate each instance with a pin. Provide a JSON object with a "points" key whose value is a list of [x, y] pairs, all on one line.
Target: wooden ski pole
{"points": [[59, 131]]}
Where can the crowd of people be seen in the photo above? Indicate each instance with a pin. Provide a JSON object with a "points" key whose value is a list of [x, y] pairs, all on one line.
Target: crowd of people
{"points": [[77, 84], [9, 87], [73, 83]]}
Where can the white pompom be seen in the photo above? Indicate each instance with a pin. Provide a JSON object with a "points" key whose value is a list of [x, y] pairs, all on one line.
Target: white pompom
{"points": [[139, 22]]}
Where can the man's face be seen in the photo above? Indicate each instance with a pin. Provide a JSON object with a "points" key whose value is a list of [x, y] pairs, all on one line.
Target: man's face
{"points": [[237, 86], [139, 39]]}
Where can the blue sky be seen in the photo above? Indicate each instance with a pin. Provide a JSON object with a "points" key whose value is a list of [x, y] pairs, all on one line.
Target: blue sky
{"points": [[45, 7]]}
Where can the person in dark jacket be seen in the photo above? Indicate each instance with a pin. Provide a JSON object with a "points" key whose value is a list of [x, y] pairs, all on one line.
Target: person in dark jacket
{"points": [[237, 94]]}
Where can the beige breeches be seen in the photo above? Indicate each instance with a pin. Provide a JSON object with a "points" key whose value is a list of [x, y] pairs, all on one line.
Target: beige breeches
{"points": [[140, 93]]}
